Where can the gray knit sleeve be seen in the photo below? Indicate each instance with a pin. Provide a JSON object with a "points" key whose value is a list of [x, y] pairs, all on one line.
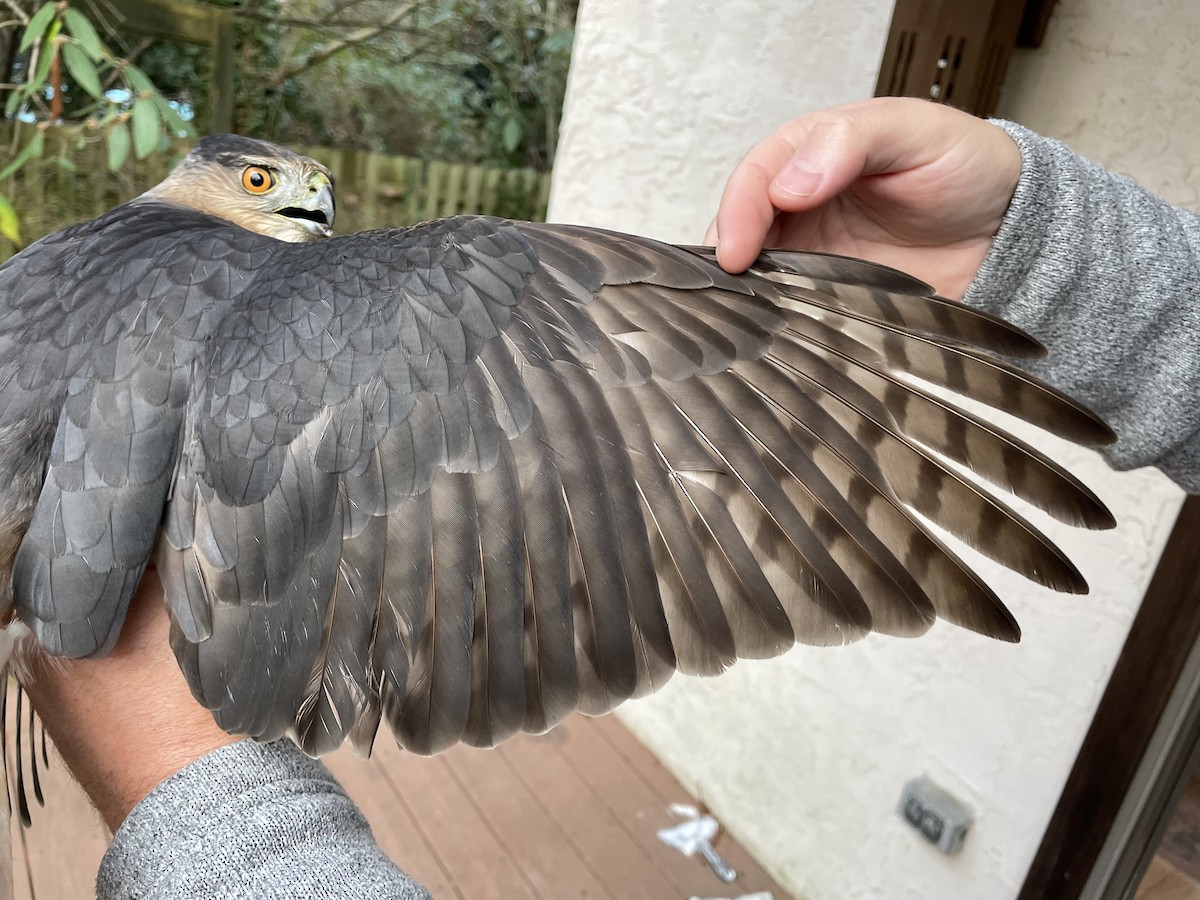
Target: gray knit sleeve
{"points": [[249, 821], [1108, 277]]}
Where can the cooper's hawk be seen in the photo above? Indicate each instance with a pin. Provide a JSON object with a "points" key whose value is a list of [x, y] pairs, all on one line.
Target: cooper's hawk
{"points": [[474, 474]]}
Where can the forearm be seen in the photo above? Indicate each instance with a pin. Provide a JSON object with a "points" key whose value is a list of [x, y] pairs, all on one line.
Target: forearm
{"points": [[250, 820], [1105, 274]]}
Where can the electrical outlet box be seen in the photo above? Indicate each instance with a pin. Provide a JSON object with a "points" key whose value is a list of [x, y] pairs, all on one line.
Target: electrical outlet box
{"points": [[939, 816]]}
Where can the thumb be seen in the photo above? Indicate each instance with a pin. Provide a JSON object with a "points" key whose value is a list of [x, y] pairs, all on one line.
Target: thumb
{"points": [[828, 158]]}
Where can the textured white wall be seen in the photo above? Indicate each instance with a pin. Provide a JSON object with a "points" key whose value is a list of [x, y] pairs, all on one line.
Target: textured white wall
{"points": [[804, 757], [1120, 83], [665, 95]]}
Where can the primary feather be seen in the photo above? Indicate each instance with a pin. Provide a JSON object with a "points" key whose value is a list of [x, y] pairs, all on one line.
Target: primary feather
{"points": [[469, 476]]}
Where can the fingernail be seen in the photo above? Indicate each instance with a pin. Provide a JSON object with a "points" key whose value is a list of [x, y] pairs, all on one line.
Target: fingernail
{"points": [[798, 179]]}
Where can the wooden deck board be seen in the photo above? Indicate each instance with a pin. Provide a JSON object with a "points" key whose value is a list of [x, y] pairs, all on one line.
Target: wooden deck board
{"points": [[479, 864], [1164, 882], [395, 826], [546, 856], [1181, 844], [572, 814], [589, 822], [752, 877], [626, 787]]}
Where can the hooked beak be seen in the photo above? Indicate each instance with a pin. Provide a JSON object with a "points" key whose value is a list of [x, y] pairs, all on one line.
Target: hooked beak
{"points": [[315, 213]]}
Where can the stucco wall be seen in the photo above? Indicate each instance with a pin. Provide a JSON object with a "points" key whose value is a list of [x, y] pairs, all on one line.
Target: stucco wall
{"points": [[804, 757], [664, 96], [1119, 82]]}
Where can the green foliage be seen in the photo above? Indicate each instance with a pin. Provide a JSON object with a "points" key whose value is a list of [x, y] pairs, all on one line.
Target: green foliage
{"points": [[369, 102], [461, 81], [83, 32], [9, 223], [69, 78], [516, 52], [468, 81], [26, 153], [83, 70], [37, 26], [184, 71], [146, 129], [472, 81], [118, 146], [70, 179]]}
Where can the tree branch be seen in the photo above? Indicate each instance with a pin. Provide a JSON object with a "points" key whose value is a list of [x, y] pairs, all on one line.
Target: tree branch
{"points": [[22, 16], [56, 95], [289, 70], [319, 17]]}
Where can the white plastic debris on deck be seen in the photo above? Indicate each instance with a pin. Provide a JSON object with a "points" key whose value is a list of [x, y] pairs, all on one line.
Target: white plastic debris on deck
{"points": [[694, 836]]}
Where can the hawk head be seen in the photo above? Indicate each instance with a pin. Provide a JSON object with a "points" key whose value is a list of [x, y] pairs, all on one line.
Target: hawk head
{"points": [[257, 185]]}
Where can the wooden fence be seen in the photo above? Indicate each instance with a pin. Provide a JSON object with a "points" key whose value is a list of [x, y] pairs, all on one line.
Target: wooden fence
{"points": [[374, 190], [71, 183]]}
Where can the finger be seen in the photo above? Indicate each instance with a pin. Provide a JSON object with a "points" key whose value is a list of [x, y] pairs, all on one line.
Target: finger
{"points": [[746, 211], [841, 145], [809, 160], [830, 157], [711, 237]]}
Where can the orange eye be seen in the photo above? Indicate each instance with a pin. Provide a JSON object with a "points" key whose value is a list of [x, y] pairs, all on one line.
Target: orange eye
{"points": [[258, 180]]}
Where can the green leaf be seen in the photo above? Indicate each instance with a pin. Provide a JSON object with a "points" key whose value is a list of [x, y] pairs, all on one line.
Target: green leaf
{"points": [[145, 128], [67, 165], [511, 135], [170, 116], [45, 58], [83, 70], [118, 146], [15, 99], [81, 29], [440, 15], [138, 80], [37, 26], [8, 221], [559, 41], [30, 150]]}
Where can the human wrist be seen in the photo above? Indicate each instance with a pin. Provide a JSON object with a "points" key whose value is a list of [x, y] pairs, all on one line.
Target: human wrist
{"points": [[124, 723], [1023, 226]]}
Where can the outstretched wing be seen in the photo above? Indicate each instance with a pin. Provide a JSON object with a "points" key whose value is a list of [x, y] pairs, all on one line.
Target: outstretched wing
{"points": [[473, 475]]}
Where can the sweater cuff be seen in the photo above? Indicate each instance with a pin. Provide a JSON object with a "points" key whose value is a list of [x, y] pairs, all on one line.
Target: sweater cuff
{"points": [[249, 820], [1024, 229]]}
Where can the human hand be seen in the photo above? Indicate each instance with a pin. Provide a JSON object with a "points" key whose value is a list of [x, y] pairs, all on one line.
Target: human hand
{"points": [[907, 183], [125, 723]]}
